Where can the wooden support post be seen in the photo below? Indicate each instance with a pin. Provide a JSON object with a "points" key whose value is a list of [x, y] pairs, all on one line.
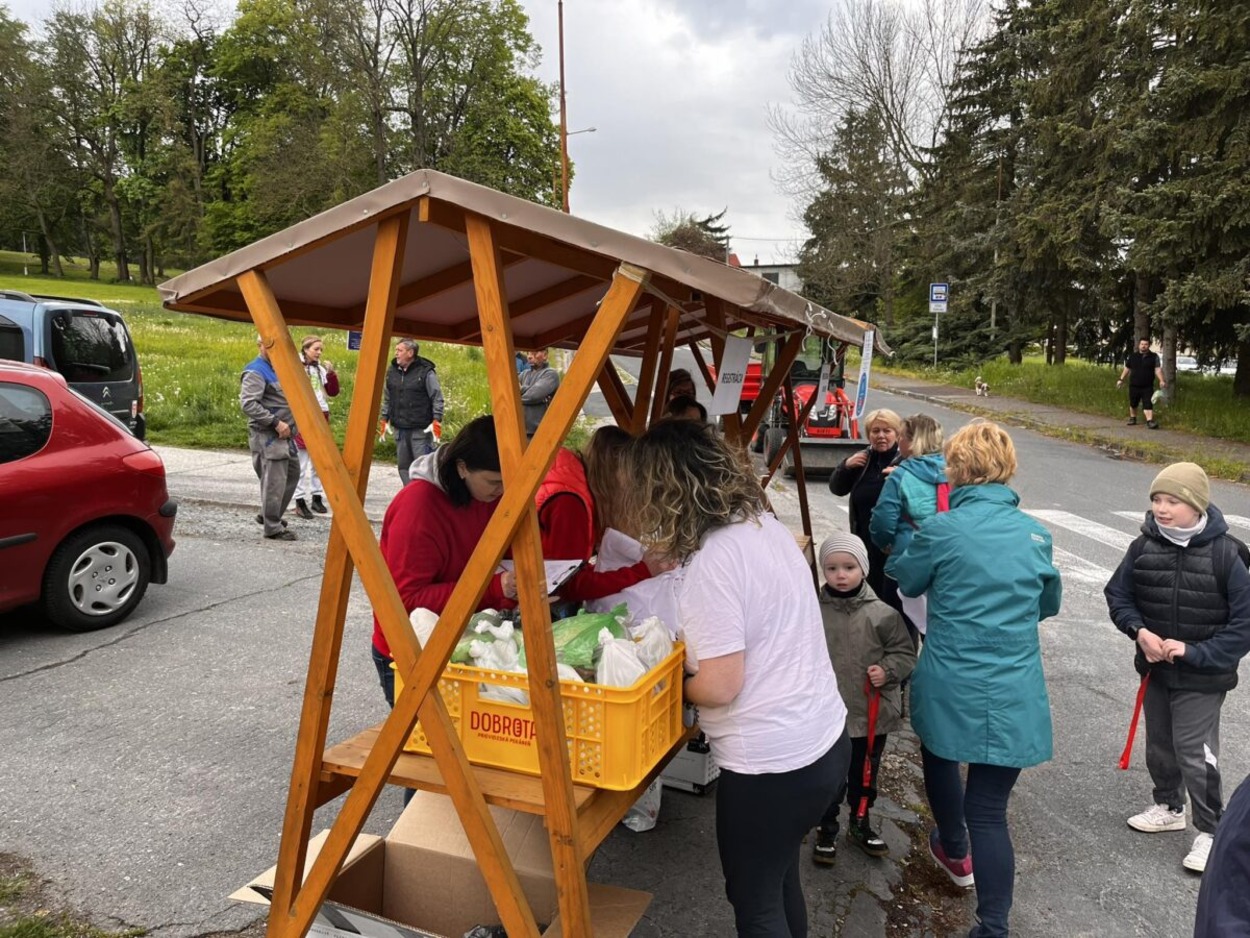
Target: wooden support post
{"points": [[304, 795], [796, 423], [660, 399], [771, 469], [615, 395], [768, 390], [702, 363], [363, 546], [646, 372], [544, 687]]}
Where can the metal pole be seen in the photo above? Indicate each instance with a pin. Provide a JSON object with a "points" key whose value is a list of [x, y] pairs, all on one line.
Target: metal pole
{"points": [[936, 316], [25, 257], [564, 124]]}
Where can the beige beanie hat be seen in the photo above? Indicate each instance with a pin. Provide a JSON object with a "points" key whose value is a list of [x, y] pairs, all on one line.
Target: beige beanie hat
{"points": [[1186, 481], [843, 542]]}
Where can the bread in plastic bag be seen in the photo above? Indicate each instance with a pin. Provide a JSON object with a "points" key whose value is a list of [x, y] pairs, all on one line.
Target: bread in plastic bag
{"points": [[653, 640], [619, 664]]}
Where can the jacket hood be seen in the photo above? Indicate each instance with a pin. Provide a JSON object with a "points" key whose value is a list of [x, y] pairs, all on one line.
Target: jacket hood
{"points": [[426, 468], [1216, 526], [931, 467], [990, 492]]}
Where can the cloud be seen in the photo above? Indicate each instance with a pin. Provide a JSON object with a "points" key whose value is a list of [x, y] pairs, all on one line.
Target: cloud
{"points": [[679, 94]]}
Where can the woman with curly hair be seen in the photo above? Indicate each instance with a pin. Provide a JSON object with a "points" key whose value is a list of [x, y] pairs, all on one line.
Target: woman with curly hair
{"points": [[767, 696]]}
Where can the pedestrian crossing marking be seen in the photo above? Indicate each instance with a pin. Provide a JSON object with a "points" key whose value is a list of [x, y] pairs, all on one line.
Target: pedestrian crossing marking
{"points": [[1104, 534], [1078, 568]]}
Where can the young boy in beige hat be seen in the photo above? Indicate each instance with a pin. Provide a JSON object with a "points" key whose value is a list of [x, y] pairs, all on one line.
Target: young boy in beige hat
{"points": [[1182, 593], [872, 655]]}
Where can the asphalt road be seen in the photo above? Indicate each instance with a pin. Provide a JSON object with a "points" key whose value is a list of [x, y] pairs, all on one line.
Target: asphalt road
{"points": [[146, 765]]}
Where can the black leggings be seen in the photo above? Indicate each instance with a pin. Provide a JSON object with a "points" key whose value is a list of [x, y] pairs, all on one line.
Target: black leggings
{"points": [[761, 821]]}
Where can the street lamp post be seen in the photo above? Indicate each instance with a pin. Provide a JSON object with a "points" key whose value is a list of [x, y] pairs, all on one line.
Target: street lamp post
{"points": [[564, 123]]}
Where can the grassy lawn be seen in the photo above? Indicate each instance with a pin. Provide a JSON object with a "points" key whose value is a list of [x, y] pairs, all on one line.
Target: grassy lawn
{"points": [[191, 365]]}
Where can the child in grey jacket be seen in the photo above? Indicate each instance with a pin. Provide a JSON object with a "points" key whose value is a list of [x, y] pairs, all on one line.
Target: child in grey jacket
{"points": [[872, 654]]}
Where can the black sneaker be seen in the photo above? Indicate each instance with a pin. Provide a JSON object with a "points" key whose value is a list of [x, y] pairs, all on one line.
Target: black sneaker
{"points": [[1132, 421], [825, 850], [1152, 425], [318, 505], [283, 535], [861, 834], [301, 509]]}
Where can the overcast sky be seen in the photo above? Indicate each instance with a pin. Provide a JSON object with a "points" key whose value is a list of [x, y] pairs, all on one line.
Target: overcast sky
{"points": [[678, 91]]}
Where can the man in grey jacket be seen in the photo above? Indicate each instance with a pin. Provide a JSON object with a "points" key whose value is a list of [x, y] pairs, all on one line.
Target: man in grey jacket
{"points": [[538, 386], [270, 428]]}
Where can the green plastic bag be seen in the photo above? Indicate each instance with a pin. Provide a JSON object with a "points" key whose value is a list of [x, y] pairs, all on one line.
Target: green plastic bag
{"points": [[577, 637]]}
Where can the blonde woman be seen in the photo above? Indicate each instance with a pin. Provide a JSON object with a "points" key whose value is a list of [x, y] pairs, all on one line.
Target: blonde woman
{"points": [[862, 477], [914, 492], [325, 384], [978, 693], [767, 696]]}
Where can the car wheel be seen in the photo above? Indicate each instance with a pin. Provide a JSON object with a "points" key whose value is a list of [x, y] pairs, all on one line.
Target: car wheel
{"points": [[96, 578]]}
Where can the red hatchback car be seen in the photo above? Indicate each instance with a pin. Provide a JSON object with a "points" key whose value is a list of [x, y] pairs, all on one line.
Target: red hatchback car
{"points": [[87, 522]]}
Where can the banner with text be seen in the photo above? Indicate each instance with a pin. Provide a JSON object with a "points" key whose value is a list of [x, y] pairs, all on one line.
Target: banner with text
{"points": [[865, 367], [732, 375]]}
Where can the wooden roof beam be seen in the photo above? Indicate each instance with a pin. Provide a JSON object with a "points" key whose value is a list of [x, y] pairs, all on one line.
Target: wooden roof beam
{"points": [[534, 302]]}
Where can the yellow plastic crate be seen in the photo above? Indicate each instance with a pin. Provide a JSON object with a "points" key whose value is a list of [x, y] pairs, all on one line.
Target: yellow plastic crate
{"points": [[616, 735]]}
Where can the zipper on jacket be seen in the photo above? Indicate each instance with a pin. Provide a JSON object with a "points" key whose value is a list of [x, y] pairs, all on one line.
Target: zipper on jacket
{"points": [[1176, 593]]}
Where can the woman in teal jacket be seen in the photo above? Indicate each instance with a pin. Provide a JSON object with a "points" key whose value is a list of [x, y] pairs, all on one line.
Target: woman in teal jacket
{"points": [[978, 693]]}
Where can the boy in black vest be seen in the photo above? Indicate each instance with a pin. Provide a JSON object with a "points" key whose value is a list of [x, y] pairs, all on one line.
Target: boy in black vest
{"points": [[1182, 593]]}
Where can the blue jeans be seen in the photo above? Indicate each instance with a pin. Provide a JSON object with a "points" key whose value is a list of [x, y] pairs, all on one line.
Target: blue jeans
{"points": [[386, 677], [982, 807], [410, 443]]}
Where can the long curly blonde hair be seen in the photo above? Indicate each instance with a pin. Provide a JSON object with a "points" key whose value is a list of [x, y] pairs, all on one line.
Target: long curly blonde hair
{"points": [[684, 481]]}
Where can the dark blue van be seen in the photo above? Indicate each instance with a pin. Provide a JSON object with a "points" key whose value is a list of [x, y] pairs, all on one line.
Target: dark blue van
{"points": [[85, 341]]}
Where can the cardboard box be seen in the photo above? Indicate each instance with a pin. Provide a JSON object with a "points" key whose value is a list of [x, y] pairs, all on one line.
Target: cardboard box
{"points": [[424, 874]]}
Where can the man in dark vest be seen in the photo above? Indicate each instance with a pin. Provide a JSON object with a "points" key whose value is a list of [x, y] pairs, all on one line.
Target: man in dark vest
{"points": [[412, 405], [1141, 369]]}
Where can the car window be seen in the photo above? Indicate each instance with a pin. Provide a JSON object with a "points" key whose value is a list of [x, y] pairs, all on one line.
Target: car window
{"points": [[91, 346], [12, 346], [25, 421]]}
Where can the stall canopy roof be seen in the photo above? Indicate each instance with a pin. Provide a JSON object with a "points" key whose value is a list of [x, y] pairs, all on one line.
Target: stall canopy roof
{"points": [[556, 269]]}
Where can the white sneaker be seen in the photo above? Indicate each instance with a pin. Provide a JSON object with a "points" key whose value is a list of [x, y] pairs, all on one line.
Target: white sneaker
{"points": [[1196, 859], [1158, 817]]}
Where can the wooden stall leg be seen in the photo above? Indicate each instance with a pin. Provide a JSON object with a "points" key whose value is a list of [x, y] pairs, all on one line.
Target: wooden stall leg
{"points": [[659, 400], [702, 363], [796, 422], [363, 546], [786, 355], [302, 799], [614, 394], [544, 686], [646, 371]]}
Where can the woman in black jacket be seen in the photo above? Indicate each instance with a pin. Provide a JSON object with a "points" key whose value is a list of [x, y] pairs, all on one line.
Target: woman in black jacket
{"points": [[862, 477]]}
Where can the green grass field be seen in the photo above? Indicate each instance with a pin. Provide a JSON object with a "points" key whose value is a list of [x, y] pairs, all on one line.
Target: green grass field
{"points": [[191, 368]]}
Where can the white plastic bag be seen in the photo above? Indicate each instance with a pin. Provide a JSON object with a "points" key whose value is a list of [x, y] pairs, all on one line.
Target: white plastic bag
{"points": [[423, 622], [653, 640], [644, 812], [916, 608], [619, 664], [617, 550], [501, 654]]}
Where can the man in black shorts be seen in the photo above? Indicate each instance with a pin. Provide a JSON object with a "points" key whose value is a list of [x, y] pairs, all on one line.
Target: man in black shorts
{"points": [[1141, 369]]}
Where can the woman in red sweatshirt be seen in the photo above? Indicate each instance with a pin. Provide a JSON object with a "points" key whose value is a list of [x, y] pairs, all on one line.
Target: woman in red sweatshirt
{"points": [[574, 509], [432, 526]]}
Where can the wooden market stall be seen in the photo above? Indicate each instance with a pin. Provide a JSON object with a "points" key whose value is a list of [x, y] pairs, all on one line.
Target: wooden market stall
{"points": [[434, 257]]}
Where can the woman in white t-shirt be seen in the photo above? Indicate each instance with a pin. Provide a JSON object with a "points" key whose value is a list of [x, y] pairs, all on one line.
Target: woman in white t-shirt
{"points": [[762, 679]]}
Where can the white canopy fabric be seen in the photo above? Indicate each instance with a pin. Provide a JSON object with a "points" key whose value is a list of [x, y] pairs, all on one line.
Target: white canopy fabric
{"points": [[556, 269]]}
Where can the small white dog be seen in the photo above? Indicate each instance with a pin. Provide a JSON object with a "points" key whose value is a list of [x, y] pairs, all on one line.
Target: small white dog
{"points": [[983, 389]]}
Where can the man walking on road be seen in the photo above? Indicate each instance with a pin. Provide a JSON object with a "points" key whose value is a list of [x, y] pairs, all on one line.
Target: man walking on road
{"points": [[270, 428], [412, 404], [1141, 369], [538, 386]]}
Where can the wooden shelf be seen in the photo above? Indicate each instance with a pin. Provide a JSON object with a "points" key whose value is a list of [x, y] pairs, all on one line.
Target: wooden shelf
{"points": [[598, 809]]}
